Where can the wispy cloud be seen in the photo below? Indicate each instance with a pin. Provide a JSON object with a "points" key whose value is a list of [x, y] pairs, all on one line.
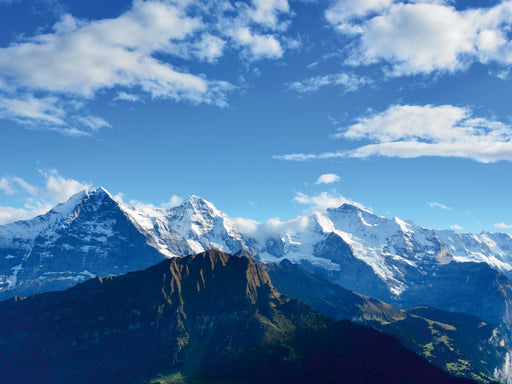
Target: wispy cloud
{"points": [[410, 131], [350, 82], [438, 205], [328, 178], [503, 226], [127, 97], [37, 199], [391, 31], [456, 227], [174, 201], [6, 187]]}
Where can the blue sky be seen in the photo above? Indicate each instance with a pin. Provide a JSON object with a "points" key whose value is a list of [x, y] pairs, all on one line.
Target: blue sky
{"points": [[267, 108]]}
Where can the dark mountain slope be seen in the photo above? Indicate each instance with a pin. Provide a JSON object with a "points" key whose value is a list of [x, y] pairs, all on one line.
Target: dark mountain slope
{"points": [[209, 316], [461, 344]]}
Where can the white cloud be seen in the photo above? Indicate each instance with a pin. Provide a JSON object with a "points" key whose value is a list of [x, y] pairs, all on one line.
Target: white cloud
{"points": [[344, 14], [92, 122], [29, 109], [174, 201], [209, 48], [121, 52], [134, 51], [503, 226], [10, 215], [450, 40], [323, 201], [266, 12], [456, 227], [127, 97], [310, 156], [6, 187], [327, 178], [410, 131], [26, 187], [37, 200], [348, 81], [257, 46], [48, 62], [438, 205], [59, 189], [274, 227]]}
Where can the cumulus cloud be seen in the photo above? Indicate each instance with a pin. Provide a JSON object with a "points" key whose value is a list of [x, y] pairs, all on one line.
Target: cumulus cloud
{"points": [[327, 178], [39, 75], [257, 46], [209, 48], [503, 226], [410, 131], [323, 201], [37, 199], [174, 201], [391, 31], [110, 52], [273, 227], [267, 12], [59, 188], [456, 227]]}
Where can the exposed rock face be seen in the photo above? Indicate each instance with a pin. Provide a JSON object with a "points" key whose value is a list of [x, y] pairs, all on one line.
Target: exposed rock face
{"points": [[211, 316]]}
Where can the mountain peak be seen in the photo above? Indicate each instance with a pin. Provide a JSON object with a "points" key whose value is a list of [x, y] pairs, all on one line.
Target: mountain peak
{"points": [[198, 206], [94, 196], [198, 203], [211, 281], [353, 207]]}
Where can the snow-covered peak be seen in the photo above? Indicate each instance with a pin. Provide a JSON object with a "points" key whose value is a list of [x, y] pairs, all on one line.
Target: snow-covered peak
{"points": [[349, 217], [196, 204], [352, 207]]}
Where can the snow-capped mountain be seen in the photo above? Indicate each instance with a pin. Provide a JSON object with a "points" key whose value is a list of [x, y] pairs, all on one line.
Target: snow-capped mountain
{"points": [[192, 227], [94, 234], [87, 236]]}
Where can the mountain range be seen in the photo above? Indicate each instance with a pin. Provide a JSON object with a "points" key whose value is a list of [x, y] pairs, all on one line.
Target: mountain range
{"points": [[205, 318], [95, 234]]}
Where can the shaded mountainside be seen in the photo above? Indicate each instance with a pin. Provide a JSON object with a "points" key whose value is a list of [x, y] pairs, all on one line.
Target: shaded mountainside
{"points": [[462, 344], [85, 237], [204, 317]]}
